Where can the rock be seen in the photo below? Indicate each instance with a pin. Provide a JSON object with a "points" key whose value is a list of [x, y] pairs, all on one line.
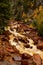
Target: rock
{"points": [[10, 50], [28, 62], [1, 53], [40, 44], [6, 32], [42, 62], [24, 62], [26, 56], [17, 57], [15, 50], [27, 46], [37, 59]]}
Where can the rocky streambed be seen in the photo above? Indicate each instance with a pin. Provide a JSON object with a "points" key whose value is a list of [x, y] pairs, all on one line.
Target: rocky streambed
{"points": [[20, 45]]}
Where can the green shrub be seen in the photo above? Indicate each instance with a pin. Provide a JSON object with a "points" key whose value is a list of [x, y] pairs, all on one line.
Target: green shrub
{"points": [[4, 14], [40, 29]]}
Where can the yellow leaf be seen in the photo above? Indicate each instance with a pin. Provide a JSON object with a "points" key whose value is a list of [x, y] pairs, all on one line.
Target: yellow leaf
{"points": [[24, 15]]}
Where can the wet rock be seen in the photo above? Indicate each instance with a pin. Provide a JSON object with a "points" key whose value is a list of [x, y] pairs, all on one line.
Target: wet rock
{"points": [[40, 44], [27, 46], [6, 33], [37, 59], [15, 50], [26, 56]]}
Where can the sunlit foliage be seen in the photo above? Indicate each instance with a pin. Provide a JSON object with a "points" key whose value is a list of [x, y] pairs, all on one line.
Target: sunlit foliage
{"points": [[26, 7], [38, 21]]}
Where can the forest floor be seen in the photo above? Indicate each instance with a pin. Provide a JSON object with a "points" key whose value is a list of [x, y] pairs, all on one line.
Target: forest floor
{"points": [[12, 55]]}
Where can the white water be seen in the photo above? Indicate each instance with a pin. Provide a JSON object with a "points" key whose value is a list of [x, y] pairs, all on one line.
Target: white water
{"points": [[20, 46]]}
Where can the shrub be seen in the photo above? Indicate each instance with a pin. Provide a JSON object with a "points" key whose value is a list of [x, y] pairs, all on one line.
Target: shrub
{"points": [[4, 14], [38, 22], [40, 29]]}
